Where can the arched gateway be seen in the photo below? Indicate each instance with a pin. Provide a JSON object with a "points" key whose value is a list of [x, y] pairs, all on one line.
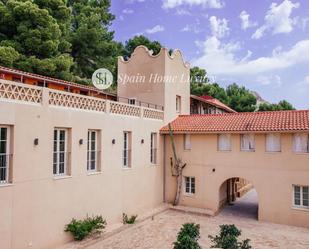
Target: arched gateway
{"points": [[238, 196]]}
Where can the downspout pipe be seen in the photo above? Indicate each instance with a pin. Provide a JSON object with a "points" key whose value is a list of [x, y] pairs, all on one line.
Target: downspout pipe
{"points": [[164, 168]]}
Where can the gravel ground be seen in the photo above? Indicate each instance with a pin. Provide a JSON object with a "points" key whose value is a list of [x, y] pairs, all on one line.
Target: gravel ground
{"points": [[161, 232]]}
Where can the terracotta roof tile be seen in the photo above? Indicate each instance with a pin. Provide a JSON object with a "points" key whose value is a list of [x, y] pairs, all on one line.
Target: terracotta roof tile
{"points": [[280, 121], [213, 101]]}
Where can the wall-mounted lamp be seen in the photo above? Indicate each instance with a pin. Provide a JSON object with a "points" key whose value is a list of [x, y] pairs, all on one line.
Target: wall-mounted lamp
{"points": [[113, 141], [142, 141], [36, 141], [213, 170], [81, 141]]}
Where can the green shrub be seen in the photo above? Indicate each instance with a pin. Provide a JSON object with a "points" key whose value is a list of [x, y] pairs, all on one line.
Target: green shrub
{"points": [[188, 236], [127, 220], [82, 228], [228, 238]]}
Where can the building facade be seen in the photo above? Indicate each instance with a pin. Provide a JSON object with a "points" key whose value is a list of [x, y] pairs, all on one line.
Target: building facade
{"points": [[268, 150], [65, 154]]}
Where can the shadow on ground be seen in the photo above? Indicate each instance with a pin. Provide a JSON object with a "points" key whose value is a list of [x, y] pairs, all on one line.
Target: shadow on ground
{"points": [[245, 207]]}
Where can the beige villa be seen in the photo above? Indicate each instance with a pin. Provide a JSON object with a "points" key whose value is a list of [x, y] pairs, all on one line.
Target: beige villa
{"points": [[68, 150]]}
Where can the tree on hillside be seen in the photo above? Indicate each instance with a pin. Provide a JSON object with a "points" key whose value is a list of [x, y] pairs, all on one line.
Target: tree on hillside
{"points": [[93, 46], [30, 39], [200, 85], [62, 14], [282, 105], [240, 99], [136, 41], [198, 76]]}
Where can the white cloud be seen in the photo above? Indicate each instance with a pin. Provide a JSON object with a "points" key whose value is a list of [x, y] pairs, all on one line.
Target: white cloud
{"points": [[194, 28], [191, 28], [304, 23], [306, 80], [219, 58], [128, 11], [245, 20], [274, 80], [155, 29], [304, 84], [219, 27], [215, 4], [278, 19], [183, 12], [133, 1]]}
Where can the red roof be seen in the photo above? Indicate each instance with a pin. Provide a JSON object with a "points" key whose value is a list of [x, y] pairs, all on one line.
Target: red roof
{"points": [[213, 101], [277, 121], [51, 80]]}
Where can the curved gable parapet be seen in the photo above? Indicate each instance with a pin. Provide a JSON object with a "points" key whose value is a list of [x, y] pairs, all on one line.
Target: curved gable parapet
{"points": [[178, 54], [142, 50]]}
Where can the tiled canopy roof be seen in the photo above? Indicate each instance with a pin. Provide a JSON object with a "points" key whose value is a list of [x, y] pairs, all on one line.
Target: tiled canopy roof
{"points": [[213, 101], [280, 121]]}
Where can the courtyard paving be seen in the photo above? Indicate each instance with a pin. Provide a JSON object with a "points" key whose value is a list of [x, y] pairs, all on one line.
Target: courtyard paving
{"points": [[161, 232]]}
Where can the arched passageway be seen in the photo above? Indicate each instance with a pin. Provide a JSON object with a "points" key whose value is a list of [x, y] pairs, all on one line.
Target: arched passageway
{"points": [[238, 197]]}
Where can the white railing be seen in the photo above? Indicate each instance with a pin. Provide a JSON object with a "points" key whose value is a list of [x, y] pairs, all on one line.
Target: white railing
{"points": [[46, 96], [20, 92], [153, 114], [71, 100], [125, 109]]}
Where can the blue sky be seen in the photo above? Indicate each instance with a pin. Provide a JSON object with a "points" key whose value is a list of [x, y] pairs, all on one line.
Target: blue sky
{"points": [[263, 45]]}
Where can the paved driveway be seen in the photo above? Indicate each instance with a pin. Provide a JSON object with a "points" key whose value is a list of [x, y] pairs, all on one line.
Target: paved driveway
{"points": [[161, 232]]}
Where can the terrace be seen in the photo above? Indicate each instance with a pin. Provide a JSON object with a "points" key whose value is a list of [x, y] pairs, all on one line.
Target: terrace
{"points": [[28, 94]]}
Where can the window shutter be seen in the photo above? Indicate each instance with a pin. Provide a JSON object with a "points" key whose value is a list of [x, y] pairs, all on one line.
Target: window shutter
{"points": [[247, 142], [224, 142], [273, 142], [300, 142], [187, 142]]}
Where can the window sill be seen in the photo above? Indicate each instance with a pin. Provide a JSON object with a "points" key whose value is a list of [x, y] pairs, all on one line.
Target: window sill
{"points": [[301, 153], [92, 173], [126, 168], [224, 151], [273, 152], [3, 185], [154, 164], [247, 150], [189, 195], [300, 209], [61, 177]]}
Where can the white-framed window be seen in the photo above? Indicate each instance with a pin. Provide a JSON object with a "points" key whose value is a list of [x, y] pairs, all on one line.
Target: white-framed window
{"points": [[60, 157], [301, 143], [224, 142], [127, 137], [301, 196], [273, 142], [92, 150], [189, 185], [4, 154], [178, 103], [153, 148], [187, 142], [247, 142]]}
